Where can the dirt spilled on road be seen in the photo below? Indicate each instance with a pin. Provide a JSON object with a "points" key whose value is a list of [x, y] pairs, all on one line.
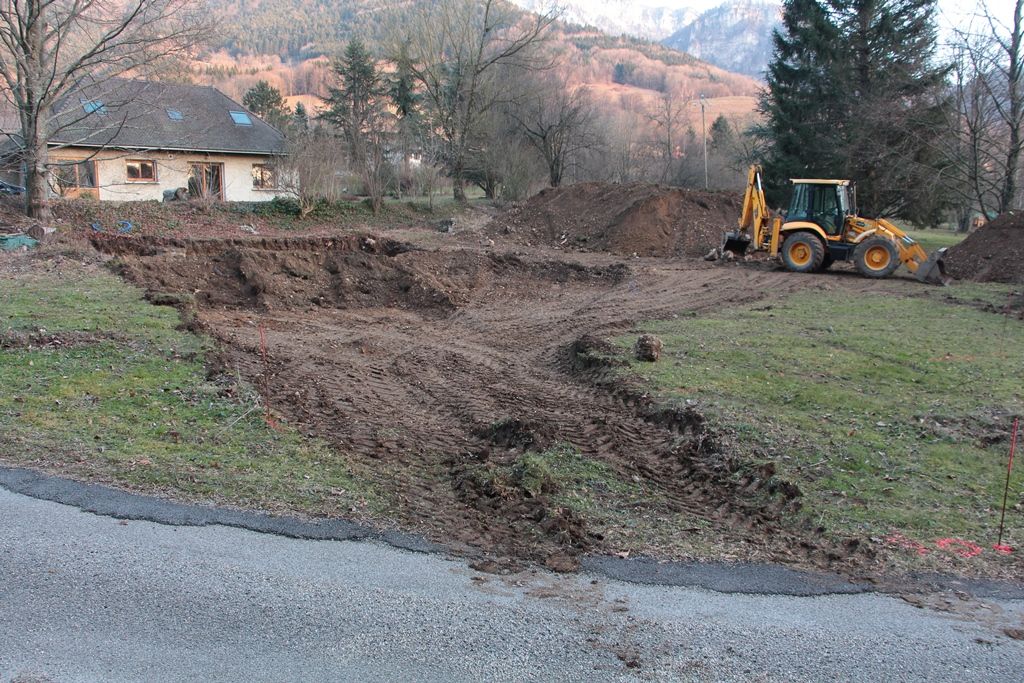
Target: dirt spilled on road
{"points": [[445, 373]]}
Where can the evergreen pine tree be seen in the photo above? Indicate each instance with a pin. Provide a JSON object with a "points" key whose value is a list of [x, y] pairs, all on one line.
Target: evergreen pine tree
{"points": [[721, 133], [894, 105], [358, 108], [800, 102], [853, 93], [265, 101], [351, 105], [300, 119], [406, 103]]}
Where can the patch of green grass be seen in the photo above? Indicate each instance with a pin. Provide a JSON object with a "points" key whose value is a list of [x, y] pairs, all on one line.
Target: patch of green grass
{"points": [[628, 512], [137, 408], [890, 413], [579, 483], [930, 240], [988, 295]]}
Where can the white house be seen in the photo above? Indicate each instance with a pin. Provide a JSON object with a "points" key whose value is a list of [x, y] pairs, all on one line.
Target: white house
{"points": [[126, 140]]}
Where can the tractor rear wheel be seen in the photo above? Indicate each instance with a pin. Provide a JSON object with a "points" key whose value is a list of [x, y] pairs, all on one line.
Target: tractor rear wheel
{"points": [[802, 252], [876, 257]]}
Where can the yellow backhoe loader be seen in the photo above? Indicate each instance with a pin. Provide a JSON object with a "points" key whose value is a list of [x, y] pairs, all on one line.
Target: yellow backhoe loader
{"points": [[822, 226]]}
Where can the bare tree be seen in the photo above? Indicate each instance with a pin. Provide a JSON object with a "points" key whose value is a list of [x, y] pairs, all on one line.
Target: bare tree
{"points": [[500, 160], [456, 50], [987, 143], [359, 108], [558, 120], [312, 169], [627, 154], [670, 119], [48, 47]]}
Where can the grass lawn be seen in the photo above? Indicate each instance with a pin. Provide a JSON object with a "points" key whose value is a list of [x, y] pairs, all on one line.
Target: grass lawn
{"points": [[930, 240], [125, 399], [892, 414]]}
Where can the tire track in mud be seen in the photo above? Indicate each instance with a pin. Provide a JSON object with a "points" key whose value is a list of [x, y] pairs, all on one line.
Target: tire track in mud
{"points": [[462, 342]]}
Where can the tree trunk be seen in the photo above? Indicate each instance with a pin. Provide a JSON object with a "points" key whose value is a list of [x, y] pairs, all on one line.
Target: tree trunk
{"points": [[458, 182], [37, 203], [1015, 97], [555, 171]]}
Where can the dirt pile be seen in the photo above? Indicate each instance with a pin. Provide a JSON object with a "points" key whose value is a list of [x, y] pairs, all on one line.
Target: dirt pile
{"points": [[354, 271], [994, 253], [635, 218]]}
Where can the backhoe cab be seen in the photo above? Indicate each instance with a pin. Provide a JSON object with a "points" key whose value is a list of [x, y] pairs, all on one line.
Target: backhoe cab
{"points": [[822, 226]]}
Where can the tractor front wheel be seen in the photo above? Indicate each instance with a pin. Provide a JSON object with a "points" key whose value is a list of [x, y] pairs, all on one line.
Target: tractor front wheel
{"points": [[802, 252], [876, 257]]}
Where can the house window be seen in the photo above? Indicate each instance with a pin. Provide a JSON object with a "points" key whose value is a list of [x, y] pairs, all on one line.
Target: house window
{"points": [[241, 118], [263, 177], [141, 171], [94, 107], [175, 115], [69, 174]]}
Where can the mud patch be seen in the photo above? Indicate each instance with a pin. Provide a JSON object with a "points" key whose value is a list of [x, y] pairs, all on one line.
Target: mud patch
{"points": [[17, 339], [519, 494], [446, 374]]}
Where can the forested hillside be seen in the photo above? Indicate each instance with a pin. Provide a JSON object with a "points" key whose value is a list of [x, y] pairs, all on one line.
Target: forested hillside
{"points": [[296, 29], [284, 41]]}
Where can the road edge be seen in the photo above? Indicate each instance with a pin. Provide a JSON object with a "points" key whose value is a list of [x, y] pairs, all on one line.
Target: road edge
{"points": [[720, 577]]}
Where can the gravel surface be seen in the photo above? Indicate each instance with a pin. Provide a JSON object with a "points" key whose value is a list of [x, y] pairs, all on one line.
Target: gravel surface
{"points": [[88, 597]]}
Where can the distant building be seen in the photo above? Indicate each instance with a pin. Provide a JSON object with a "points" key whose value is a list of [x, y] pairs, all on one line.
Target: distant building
{"points": [[125, 140]]}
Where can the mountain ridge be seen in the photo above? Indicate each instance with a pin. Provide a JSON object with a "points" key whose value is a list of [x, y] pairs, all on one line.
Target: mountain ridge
{"points": [[735, 35]]}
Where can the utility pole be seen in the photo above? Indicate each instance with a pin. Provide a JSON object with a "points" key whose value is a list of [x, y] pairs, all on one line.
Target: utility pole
{"points": [[704, 134]]}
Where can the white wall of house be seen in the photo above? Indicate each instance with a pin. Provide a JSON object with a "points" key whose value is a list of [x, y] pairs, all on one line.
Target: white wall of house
{"points": [[172, 172]]}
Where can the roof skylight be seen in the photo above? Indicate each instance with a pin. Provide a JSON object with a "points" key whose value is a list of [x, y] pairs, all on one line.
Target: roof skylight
{"points": [[94, 107], [241, 118]]}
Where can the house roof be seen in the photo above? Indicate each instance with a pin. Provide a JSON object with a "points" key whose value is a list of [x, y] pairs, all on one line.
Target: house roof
{"points": [[133, 114]]}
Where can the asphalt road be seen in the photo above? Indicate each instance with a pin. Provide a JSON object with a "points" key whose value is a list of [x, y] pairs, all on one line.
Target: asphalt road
{"points": [[87, 597]]}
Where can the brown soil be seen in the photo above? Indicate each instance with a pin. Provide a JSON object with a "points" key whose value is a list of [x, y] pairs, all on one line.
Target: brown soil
{"points": [[635, 218], [994, 253], [437, 369], [41, 339]]}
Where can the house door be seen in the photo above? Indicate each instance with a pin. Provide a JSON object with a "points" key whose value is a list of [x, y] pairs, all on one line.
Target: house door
{"points": [[206, 180]]}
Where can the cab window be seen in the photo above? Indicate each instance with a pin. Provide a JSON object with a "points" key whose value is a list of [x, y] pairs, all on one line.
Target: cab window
{"points": [[818, 204]]}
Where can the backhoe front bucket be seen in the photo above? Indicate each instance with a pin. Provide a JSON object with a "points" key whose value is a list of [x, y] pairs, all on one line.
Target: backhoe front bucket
{"points": [[933, 271], [736, 242]]}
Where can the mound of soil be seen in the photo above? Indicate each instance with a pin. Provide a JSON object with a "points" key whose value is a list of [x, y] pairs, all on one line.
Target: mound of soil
{"points": [[353, 271], [994, 253], [635, 218]]}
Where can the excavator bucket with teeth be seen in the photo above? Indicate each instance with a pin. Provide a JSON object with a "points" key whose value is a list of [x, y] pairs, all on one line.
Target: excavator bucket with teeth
{"points": [[736, 242]]}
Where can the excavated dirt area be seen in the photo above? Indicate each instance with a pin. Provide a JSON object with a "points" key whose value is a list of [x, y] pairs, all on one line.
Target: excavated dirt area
{"points": [[627, 219], [993, 253], [434, 369]]}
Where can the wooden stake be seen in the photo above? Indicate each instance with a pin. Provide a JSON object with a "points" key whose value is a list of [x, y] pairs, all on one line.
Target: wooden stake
{"points": [[1006, 490]]}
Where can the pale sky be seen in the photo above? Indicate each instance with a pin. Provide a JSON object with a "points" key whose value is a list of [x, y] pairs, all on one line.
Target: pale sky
{"points": [[959, 12]]}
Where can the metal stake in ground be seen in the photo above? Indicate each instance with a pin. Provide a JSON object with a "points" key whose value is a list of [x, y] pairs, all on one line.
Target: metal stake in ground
{"points": [[1002, 517]]}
